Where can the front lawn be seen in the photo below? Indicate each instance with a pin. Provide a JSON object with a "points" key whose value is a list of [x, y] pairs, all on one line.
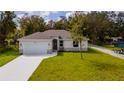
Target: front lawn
{"points": [[69, 66], [7, 56]]}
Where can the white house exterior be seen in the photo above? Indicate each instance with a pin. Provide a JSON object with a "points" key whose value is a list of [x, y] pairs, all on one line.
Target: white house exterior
{"points": [[49, 41]]}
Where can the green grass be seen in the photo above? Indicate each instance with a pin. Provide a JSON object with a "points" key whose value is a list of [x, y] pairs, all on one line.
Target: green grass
{"points": [[7, 56], [69, 66], [111, 47]]}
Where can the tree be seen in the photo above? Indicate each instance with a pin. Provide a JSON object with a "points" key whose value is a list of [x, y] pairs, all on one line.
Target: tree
{"points": [[98, 25], [77, 26], [50, 25], [61, 24], [32, 24], [120, 24], [7, 25]]}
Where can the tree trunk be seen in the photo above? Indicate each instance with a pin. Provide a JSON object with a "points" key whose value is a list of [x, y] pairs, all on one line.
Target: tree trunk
{"points": [[81, 50]]}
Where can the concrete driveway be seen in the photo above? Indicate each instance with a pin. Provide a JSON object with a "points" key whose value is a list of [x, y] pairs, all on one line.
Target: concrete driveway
{"points": [[107, 51], [21, 68]]}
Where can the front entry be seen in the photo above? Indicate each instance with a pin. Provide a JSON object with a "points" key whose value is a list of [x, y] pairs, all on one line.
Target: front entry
{"points": [[54, 43]]}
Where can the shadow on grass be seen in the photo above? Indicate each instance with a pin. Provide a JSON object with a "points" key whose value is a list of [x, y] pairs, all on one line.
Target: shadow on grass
{"points": [[91, 51], [10, 52], [60, 54], [103, 66]]}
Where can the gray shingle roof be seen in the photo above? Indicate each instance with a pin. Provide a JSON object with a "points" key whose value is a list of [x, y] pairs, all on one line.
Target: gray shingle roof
{"points": [[49, 34]]}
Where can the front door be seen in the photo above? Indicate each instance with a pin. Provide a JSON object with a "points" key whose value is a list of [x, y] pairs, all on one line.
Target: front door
{"points": [[54, 44]]}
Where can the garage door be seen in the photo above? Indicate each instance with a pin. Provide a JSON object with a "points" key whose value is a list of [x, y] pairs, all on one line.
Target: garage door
{"points": [[35, 47]]}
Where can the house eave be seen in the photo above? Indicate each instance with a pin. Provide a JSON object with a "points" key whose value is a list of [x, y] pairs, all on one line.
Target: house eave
{"points": [[26, 40]]}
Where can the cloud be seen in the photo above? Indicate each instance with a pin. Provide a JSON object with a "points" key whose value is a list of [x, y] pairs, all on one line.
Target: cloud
{"points": [[54, 12], [44, 14], [69, 14], [47, 13], [86, 12], [39, 13], [58, 19], [47, 20], [20, 15]]}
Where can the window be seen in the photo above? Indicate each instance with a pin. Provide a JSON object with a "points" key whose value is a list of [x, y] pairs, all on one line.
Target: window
{"points": [[61, 43], [75, 44], [60, 37], [20, 44]]}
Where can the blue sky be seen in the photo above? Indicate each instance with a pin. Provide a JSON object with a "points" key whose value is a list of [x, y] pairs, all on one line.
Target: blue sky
{"points": [[47, 15]]}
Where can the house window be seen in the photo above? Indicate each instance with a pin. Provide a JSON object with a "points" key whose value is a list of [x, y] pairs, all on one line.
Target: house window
{"points": [[61, 43], [75, 44], [20, 44]]}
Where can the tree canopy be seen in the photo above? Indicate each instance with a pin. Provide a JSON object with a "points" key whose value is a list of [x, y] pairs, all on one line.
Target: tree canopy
{"points": [[31, 24], [7, 25], [98, 26]]}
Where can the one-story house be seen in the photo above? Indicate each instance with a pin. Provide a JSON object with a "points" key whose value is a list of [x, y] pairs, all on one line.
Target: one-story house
{"points": [[50, 41]]}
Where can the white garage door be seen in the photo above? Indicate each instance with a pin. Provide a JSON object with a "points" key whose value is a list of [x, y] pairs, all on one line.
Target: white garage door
{"points": [[35, 47]]}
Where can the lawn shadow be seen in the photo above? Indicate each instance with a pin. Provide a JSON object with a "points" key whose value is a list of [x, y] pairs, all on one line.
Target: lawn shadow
{"points": [[10, 53], [103, 66], [60, 54], [90, 50]]}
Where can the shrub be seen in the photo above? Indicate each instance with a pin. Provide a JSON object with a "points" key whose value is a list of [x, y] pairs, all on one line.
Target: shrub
{"points": [[2, 49]]}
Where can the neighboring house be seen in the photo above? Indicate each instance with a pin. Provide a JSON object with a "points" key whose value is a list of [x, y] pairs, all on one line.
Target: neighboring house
{"points": [[113, 40], [116, 38], [49, 41]]}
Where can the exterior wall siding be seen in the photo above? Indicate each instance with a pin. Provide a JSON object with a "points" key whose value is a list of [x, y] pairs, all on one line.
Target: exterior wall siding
{"points": [[68, 46], [45, 46]]}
